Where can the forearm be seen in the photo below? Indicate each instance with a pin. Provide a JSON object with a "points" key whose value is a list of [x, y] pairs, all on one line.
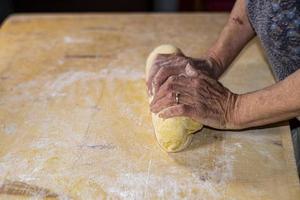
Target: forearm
{"points": [[278, 102], [235, 35]]}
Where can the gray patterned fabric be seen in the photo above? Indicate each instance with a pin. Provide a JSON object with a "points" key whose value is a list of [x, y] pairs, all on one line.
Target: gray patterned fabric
{"points": [[277, 25]]}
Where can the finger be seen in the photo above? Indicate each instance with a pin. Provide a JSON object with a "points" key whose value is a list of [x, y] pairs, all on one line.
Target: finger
{"points": [[181, 90], [161, 60], [170, 100], [176, 111], [166, 88], [164, 73], [153, 70], [173, 83], [174, 65]]}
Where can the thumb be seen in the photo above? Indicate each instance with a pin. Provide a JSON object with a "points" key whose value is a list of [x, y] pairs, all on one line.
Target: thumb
{"points": [[191, 71]]}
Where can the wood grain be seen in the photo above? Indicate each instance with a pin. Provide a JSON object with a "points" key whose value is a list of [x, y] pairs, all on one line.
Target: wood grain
{"points": [[74, 114]]}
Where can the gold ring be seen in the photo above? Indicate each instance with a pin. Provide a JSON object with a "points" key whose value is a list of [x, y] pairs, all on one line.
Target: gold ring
{"points": [[177, 97]]}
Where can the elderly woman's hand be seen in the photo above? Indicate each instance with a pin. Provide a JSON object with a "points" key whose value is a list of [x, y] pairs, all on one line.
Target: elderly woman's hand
{"points": [[201, 98], [167, 65]]}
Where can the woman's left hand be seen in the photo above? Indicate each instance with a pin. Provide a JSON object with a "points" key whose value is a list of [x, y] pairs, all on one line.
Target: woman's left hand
{"points": [[199, 97]]}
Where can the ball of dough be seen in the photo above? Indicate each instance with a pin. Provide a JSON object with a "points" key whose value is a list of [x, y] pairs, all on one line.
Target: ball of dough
{"points": [[173, 134]]}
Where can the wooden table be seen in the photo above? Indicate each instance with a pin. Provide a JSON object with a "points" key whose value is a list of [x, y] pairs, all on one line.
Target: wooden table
{"points": [[74, 115]]}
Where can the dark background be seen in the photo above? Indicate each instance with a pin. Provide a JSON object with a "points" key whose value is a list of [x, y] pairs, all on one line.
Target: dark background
{"points": [[23, 6]]}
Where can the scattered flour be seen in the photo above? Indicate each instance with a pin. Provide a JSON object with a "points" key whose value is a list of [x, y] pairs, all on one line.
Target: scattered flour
{"points": [[127, 184], [143, 185], [49, 86], [70, 77], [10, 129], [73, 40]]}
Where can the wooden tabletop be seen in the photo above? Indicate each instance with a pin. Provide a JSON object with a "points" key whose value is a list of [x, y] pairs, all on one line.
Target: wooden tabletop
{"points": [[75, 123]]}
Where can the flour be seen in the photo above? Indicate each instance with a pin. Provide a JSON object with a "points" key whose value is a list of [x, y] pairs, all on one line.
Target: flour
{"points": [[10, 129], [56, 135], [254, 137], [49, 86], [138, 185], [68, 78], [73, 40]]}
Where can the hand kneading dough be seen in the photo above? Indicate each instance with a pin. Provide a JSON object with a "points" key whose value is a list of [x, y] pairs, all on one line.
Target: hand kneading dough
{"points": [[173, 134]]}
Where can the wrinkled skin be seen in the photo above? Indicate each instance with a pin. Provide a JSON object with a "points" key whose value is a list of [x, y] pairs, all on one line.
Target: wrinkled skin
{"points": [[201, 97], [166, 65]]}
